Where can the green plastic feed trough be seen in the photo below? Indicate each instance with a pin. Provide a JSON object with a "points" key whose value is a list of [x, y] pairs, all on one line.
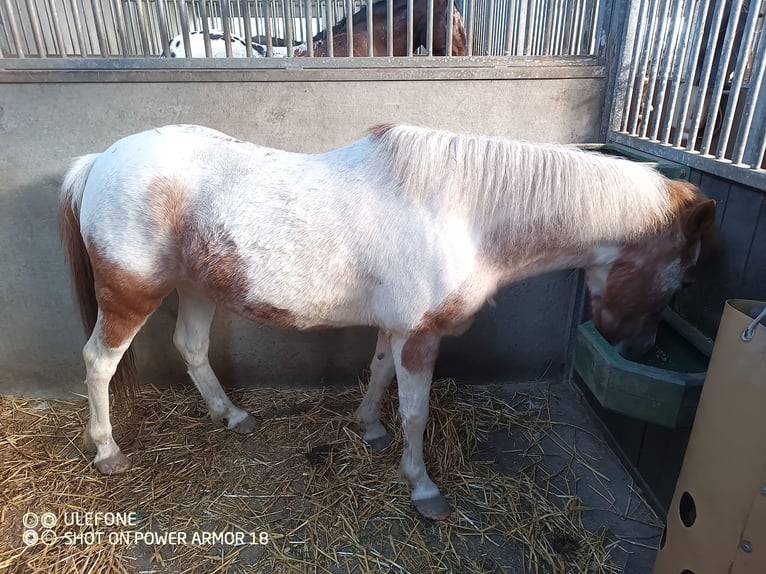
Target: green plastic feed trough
{"points": [[662, 388]]}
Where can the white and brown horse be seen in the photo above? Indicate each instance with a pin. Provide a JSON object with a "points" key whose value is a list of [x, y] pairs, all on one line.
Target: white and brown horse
{"points": [[408, 230]]}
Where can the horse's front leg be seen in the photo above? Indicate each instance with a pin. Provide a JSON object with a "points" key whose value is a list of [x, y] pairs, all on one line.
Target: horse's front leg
{"points": [[414, 357], [381, 375]]}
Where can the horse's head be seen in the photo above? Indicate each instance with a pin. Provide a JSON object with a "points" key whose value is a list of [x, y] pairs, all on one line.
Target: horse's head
{"points": [[631, 284]]}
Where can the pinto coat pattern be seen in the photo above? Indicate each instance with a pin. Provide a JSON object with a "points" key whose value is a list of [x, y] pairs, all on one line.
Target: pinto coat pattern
{"points": [[408, 230]]}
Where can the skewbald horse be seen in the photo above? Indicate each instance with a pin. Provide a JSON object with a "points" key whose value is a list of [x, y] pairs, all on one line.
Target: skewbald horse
{"points": [[417, 229]]}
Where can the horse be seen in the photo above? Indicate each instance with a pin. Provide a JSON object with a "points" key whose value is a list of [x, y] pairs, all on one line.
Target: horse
{"points": [[379, 30], [176, 48], [409, 230]]}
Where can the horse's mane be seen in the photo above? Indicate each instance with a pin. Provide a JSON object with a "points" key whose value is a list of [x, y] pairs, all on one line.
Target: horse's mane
{"points": [[578, 197]]}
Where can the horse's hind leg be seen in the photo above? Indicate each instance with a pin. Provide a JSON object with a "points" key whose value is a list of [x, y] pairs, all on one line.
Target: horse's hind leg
{"points": [[381, 375], [192, 339], [101, 363]]}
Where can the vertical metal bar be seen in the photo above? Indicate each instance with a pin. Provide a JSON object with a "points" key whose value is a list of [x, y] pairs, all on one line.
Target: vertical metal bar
{"points": [[704, 80], [328, 28], [119, 19], [184, 17], [34, 22], [745, 48], [143, 27], [14, 29], [370, 36], [523, 27], [753, 98], [720, 82], [410, 9], [678, 78], [512, 22], [161, 9], [635, 28], [643, 66], [205, 27], [489, 27], [287, 6], [549, 12], [469, 8], [350, 28], [244, 12], [450, 28], [430, 26], [60, 46], [78, 28], [700, 15], [309, 30], [599, 10], [670, 43], [267, 31]]}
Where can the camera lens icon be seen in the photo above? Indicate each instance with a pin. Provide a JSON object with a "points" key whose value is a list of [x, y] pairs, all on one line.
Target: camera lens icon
{"points": [[48, 537], [30, 520], [30, 537], [48, 520]]}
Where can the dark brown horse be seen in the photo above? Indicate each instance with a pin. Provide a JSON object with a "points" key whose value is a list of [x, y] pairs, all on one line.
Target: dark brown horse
{"points": [[379, 35]]}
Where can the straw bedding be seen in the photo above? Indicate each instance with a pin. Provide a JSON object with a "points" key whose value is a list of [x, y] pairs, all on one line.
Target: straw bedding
{"points": [[304, 484]]}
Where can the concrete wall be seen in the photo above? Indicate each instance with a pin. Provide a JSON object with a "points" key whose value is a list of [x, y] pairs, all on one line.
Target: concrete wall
{"points": [[47, 117]]}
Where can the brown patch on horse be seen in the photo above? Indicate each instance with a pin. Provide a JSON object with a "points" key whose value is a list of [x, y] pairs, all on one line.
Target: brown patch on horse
{"points": [[451, 318], [213, 260], [380, 130], [420, 351], [123, 383], [167, 200], [125, 299]]}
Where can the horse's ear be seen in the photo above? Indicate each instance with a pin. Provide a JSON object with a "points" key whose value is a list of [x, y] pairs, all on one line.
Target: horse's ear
{"points": [[700, 219]]}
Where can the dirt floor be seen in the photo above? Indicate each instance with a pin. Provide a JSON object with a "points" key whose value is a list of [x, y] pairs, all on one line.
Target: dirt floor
{"points": [[533, 484]]}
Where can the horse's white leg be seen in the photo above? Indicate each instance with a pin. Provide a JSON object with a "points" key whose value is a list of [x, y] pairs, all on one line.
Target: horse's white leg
{"points": [[192, 339], [100, 365], [381, 375], [414, 357]]}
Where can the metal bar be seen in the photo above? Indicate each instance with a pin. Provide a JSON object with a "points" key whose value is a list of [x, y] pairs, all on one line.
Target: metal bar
{"points": [[599, 10], [704, 80], [752, 101], [525, 8], [489, 27], [205, 28], [450, 29], [715, 97], [511, 23], [161, 9], [244, 13], [98, 19], [626, 79], [739, 74], [370, 35], [678, 78], [700, 16], [643, 67], [184, 18], [468, 7], [667, 61], [34, 22], [60, 46], [267, 29], [430, 27], [287, 6], [390, 27], [549, 14], [410, 10], [143, 27], [350, 28], [78, 28], [119, 19], [14, 29], [309, 30], [328, 28]]}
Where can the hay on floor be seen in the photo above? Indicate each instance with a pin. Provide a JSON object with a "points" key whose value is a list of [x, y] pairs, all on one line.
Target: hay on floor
{"points": [[304, 493]]}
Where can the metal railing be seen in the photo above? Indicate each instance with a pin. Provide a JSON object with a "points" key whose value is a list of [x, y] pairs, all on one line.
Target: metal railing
{"points": [[126, 28], [691, 85]]}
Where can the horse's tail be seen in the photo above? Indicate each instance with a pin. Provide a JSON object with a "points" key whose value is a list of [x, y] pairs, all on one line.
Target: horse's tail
{"points": [[81, 269]]}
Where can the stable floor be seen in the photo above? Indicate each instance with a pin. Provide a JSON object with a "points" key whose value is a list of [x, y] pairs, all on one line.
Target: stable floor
{"points": [[533, 485]]}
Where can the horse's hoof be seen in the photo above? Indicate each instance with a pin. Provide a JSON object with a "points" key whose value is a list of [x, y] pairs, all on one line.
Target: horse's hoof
{"points": [[380, 443], [114, 464], [435, 508], [246, 426]]}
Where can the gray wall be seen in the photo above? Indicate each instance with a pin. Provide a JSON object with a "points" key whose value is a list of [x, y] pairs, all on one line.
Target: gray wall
{"points": [[47, 117]]}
